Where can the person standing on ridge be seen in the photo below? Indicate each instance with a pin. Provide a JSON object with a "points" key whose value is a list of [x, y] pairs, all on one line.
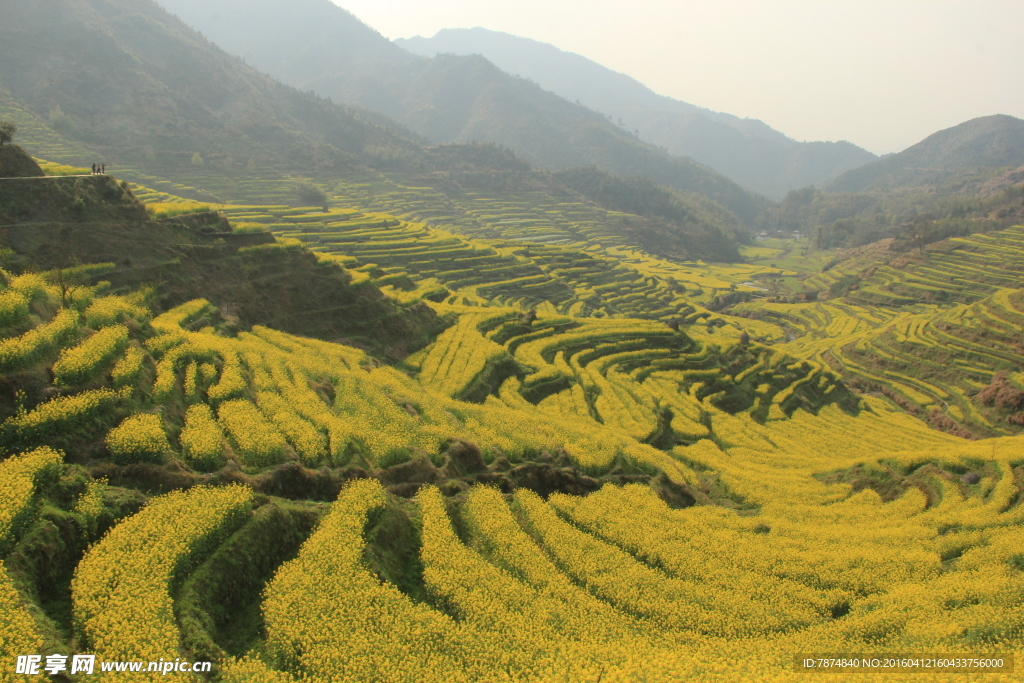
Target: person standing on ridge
{"points": [[104, 170], [94, 169]]}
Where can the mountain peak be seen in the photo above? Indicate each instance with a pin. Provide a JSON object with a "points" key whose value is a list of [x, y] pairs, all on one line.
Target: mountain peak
{"points": [[995, 141]]}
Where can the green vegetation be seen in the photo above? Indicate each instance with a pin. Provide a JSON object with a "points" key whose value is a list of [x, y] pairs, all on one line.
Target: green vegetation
{"points": [[295, 135], [946, 160], [936, 331], [959, 181], [690, 213], [843, 220], [7, 131]]}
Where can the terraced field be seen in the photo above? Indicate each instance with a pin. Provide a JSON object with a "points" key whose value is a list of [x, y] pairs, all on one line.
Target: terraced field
{"points": [[961, 269], [837, 524], [589, 475], [415, 260], [538, 217], [654, 383], [45, 141], [943, 361], [929, 358], [887, 274]]}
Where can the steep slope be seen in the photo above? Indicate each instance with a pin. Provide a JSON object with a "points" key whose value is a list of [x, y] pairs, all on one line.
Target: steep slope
{"points": [[744, 150], [60, 222], [16, 163], [936, 329], [447, 99], [505, 505], [127, 80], [128, 84], [988, 142], [329, 35], [642, 197]]}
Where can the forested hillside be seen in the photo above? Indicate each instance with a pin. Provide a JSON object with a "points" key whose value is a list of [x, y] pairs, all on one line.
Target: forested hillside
{"points": [[214, 129], [959, 181], [101, 55], [941, 159], [445, 99]]}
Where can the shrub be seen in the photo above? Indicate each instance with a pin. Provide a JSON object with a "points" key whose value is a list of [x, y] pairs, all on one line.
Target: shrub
{"points": [[311, 195], [7, 131]]}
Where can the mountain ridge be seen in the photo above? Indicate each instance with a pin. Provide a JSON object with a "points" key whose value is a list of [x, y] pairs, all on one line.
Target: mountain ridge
{"points": [[164, 107], [427, 95], [748, 151], [987, 142], [198, 99]]}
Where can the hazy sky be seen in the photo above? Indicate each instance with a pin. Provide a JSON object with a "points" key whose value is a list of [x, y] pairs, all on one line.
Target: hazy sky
{"points": [[881, 73]]}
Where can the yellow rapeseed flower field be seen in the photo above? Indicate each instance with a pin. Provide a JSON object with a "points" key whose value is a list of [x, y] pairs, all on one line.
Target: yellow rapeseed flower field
{"points": [[109, 310], [259, 443], [18, 632], [843, 527], [120, 590], [19, 352], [202, 439], [128, 369], [80, 364], [139, 438], [13, 307]]}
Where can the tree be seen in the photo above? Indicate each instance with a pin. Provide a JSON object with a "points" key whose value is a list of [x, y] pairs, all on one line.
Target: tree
{"points": [[919, 231], [58, 119], [7, 131], [197, 160], [311, 195], [68, 280]]}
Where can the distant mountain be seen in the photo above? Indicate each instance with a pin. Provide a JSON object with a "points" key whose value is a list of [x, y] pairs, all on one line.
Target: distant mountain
{"points": [[747, 151], [962, 180], [989, 142], [315, 45], [133, 84], [125, 83]]}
